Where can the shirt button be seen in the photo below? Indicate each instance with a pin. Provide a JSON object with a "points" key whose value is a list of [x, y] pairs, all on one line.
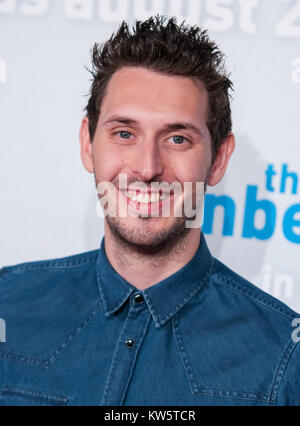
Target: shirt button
{"points": [[138, 298], [130, 343]]}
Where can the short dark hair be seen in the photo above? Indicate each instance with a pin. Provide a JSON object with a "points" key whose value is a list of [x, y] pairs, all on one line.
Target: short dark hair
{"points": [[168, 48]]}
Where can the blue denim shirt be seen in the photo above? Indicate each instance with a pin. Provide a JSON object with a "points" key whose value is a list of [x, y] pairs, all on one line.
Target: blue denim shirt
{"points": [[79, 334]]}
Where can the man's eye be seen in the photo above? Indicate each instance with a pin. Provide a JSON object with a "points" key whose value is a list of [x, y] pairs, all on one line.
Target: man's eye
{"points": [[124, 135], [178, 140]]}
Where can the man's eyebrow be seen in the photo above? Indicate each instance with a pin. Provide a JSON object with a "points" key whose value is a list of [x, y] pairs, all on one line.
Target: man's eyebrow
{"points": [[119, 119], [168, 127], [183, 126]]}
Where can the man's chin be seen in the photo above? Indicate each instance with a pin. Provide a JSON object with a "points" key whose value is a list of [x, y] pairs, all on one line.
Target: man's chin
{"points": [[146, 239]]}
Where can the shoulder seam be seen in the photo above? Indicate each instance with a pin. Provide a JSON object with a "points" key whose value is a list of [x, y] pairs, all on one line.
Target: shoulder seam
{"points": [[44, 264], [263, 300]]}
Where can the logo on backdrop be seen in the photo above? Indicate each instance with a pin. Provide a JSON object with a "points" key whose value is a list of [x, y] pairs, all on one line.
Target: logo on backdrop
{"points": [[217, 15], [283, 181]]}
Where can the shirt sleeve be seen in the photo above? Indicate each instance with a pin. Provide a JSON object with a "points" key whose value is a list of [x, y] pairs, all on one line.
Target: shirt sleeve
{"points": [[289, 390]]}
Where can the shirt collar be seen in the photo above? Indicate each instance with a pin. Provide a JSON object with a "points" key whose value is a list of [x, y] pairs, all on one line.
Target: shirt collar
{"points": [[165, 298]]}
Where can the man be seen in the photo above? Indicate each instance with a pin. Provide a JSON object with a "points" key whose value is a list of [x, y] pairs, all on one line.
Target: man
{"points": [[151, 318]]}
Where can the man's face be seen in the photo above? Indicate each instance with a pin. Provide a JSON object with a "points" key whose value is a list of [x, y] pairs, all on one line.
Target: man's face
{"points": [[152, 127]]}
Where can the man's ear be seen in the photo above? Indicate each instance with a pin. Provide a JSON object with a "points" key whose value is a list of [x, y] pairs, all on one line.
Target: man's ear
{"points": [[221, 161], [86, 148]]}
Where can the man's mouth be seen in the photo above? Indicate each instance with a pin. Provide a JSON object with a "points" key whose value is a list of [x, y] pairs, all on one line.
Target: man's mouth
{"points": [[146, 197], [149, 203]]}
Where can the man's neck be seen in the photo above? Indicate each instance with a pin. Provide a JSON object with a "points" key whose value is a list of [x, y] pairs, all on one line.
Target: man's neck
{"points": [[144, 270]]}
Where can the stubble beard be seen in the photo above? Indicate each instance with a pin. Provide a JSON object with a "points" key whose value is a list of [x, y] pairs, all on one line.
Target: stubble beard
{"points": [[143, 239]]}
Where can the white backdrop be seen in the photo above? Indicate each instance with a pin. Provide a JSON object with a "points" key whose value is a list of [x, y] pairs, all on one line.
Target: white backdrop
{"points": [[48, 201]]}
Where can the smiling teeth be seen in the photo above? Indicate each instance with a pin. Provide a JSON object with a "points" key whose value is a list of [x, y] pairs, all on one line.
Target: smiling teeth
{"points": [[145, 198]]}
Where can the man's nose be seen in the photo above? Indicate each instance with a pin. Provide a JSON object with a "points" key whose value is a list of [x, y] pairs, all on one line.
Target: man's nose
{"points": [[147, 162]]}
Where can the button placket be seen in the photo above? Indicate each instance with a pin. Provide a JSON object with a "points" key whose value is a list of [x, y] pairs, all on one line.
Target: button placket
{"points": [[126, 352]]}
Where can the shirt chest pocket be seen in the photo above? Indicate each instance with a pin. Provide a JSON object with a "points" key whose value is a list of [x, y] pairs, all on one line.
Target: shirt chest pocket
{"points": [[37, 372], [22, 384], [14, 396], [225, 370]]}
